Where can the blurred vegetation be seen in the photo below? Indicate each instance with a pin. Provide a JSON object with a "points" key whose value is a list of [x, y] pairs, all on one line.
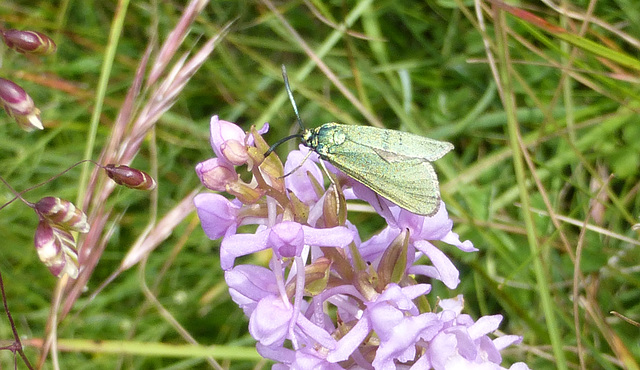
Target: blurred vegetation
{"points": [[568, 89]]}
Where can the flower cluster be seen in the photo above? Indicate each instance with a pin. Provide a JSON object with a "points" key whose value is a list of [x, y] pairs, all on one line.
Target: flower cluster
{"points": [[329, 299]]}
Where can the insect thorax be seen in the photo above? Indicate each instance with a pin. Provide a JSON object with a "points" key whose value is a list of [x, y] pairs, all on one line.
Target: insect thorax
{"points": [[310, 138], [324, 140]]}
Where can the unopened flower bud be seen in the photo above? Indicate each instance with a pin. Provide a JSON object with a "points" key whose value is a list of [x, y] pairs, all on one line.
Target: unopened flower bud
{"points": [[334, 208], [130, 177], [235, 152], [215, 174], [317, 276], [393, 264], [63, 213], [245, 193], [19, 105], [29, 42], [227, 141], [56, 249]]}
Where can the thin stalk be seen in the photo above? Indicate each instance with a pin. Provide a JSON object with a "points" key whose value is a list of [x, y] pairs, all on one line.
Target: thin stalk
{"points": [[519, 168]]}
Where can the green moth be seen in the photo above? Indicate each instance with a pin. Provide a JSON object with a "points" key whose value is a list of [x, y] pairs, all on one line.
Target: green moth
{"points": [[394, 164]]}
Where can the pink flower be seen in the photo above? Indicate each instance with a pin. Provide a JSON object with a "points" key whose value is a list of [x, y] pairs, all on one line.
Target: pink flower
{"points": [[286, 239], [328, 300]]}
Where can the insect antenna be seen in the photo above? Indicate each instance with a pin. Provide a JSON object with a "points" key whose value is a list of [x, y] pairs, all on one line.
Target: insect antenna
{"points": [[277, 143], [293, 102], [295, 109]]}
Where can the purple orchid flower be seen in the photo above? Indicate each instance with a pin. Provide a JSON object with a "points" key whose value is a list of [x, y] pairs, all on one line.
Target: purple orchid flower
{"points": [[328, 300]]}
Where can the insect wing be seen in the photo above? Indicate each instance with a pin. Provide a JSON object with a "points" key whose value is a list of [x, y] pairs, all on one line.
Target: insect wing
{"points": [[398, 145], [410, 183]]}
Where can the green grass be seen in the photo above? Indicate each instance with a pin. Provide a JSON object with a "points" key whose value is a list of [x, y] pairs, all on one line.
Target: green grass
{"points": [[553, 132]]}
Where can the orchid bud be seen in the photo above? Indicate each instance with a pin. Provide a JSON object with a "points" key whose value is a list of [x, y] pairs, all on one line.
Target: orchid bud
{"points": [[317, 276], [234, 151], [245, 193], [62, 213], [130, 177], [215, 173], [393, 264], [19, 105], [29, 42], [56, 249], [227, 141]]}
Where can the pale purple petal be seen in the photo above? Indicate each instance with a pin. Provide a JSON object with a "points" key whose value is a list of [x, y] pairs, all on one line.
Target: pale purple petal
{"points": [[249, 284], [373, 248], [506, 340], [221, 131], [448, 273], [350, 341], [380, 204], [400, 343], [299, 181], [217, 214], [238, 245], [454, 305], [454, 239], [309, 359], [345, 298], [384, 318], [264, 129], [269, 322], [287, 239], [424, 270], [441, 348], [464, 320], [413, 292], [464, 343], [318, 334], [401, 298], [338, 236], [435, 227], [489, 352], [281, 354], [485, 325]]}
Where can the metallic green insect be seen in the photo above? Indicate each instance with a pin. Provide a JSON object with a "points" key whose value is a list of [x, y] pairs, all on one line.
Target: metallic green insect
{"points": [[394, 164]]}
